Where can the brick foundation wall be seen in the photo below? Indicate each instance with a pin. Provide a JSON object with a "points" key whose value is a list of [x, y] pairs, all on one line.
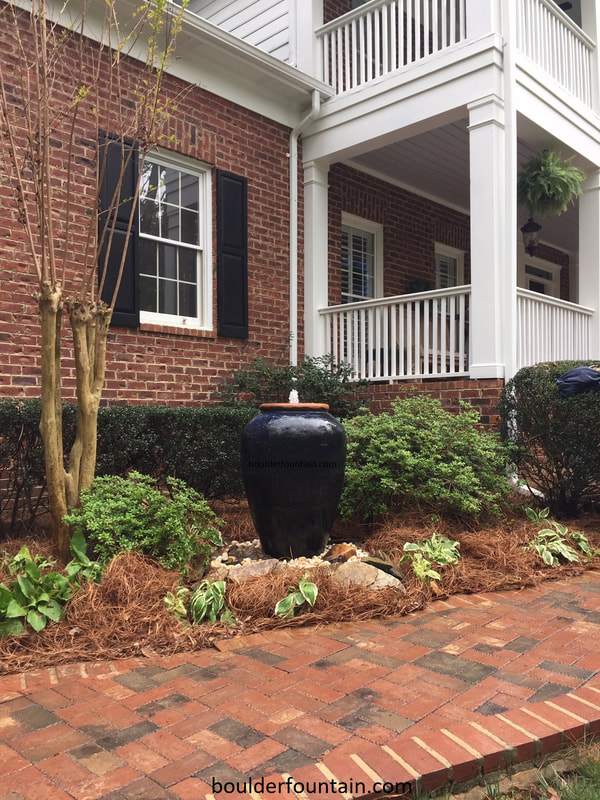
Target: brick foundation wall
{"points": [[157, 364], [482, 394]]}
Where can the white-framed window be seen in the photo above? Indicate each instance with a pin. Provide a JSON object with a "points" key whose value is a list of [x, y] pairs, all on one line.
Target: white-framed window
{"points": [[539, 275], [449, 266], [362, 259], [174, 254]]}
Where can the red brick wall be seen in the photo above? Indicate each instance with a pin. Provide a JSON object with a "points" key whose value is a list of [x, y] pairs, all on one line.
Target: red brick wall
{"points": [[482, 394], [158, 365], [332, 9], [411, 227]]}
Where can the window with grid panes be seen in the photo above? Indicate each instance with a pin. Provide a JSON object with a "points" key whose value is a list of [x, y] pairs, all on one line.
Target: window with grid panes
{"points": [[358, 264], [174, 209]]}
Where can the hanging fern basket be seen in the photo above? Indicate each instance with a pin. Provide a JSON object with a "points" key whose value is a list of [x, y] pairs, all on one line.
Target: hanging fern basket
{"points": [[547, 184]]}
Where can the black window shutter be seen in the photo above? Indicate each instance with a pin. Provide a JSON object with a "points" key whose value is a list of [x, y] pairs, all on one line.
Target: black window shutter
{"points": [[232, 255], [115, 151]]}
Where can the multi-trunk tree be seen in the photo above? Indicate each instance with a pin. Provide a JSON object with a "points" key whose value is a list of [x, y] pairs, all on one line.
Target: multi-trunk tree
{"points": [[84, 94]]}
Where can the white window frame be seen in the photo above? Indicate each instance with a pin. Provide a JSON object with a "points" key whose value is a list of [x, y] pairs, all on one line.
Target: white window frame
{"points": [[376, 229], [525, 260], [450, 252], [204, 320]]}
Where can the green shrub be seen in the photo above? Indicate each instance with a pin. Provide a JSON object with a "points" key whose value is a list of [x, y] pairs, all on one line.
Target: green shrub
{"points": [[317, 380], [176, 527], [421, 456], [201, 446], [557, 440], [22, 462]]}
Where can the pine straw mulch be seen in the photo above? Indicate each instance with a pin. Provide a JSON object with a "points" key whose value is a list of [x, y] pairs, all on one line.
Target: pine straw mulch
{"points": [[125, 616]]}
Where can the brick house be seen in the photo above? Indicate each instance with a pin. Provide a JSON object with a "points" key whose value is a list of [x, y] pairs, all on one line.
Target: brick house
{"points": [[356, 165]]}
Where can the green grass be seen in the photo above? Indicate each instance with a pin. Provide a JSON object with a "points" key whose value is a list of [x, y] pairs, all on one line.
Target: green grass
{"points": [[582, 783]]}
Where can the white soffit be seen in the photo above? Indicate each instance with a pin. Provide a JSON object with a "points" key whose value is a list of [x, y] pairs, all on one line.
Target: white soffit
{"points": [[435, 164]]}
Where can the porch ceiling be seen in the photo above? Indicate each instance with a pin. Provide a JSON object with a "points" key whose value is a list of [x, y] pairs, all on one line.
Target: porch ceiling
{"points": [[436, 164]]}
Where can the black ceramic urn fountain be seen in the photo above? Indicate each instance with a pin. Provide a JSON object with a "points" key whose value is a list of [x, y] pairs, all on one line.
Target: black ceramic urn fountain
{"points": [[293, 459]]}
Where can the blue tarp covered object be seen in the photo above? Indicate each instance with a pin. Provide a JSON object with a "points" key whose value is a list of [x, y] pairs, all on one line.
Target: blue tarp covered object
{"points": [[578, 380]]}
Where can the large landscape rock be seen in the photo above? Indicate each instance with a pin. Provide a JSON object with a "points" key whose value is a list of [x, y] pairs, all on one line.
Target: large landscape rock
{"points": [[252, 569], [366, 575]]}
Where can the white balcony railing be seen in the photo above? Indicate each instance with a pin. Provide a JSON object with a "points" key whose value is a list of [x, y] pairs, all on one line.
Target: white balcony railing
{"points": [[547, 36], [549, 329], [383, 35], [420, 335]]}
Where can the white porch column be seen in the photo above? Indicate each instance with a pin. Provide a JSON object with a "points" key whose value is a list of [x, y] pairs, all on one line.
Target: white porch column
{"points": [[315, 255], [492, 308], [589, 255]]}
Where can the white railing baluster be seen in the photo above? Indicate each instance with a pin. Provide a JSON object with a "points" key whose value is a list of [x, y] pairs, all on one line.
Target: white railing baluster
{"points": [[427, 334], [402, 56], [434, 26], [393, 11], [332, 61], [354, 61], [452, 9], [406, 336], [341, 67], [556, 45], [347, 61], [549, 329], [409, 30], [444, 15], [427, 48]]}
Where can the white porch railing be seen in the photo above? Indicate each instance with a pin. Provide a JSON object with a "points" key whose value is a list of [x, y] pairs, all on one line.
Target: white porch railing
{"points": [[549, 329], [383, 35], [547, 36], [420, 335]]}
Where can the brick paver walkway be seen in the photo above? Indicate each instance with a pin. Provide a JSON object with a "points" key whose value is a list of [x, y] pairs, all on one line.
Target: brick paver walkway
{"points": [[456, 691]]}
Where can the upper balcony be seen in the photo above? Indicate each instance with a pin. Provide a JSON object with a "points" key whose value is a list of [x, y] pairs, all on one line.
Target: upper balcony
{"points": [[381, 38], [384, 42]]}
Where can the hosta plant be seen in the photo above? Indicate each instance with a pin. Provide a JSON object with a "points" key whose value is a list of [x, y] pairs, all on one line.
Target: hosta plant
{"points": [[206, 603], [37, 593], [436, 550], [556, 542], [297, 596]]}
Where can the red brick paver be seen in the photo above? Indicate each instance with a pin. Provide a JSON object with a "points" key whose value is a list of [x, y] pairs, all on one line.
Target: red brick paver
{"points": [[464, 687]]}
